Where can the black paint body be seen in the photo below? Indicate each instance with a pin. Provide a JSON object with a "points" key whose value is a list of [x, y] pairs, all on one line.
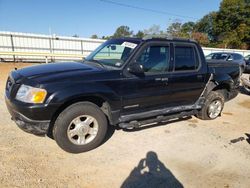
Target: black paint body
{"points": [[125, 94]]}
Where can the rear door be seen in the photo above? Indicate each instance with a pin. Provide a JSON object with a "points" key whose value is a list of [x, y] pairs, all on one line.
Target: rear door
{"points": [[187, 80]]}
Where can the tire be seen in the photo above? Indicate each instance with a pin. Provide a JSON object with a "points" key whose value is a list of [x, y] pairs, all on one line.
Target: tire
{"points": [[216, 99], [80, 127], [245, 80], [247, 89]]}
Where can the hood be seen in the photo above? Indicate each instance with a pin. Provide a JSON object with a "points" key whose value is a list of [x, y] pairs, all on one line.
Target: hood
{"points": [[55, 71]]}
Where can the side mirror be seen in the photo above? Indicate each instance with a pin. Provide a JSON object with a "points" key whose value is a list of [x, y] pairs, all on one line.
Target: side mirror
{"points": [[136, 69], [113, 47]]}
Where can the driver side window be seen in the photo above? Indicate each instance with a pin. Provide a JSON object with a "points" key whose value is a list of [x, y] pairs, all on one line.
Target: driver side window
{"points": [[155, 59]]}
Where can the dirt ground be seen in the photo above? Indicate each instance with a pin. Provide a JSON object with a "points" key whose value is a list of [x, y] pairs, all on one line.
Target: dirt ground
{"points": [[188, 153]]}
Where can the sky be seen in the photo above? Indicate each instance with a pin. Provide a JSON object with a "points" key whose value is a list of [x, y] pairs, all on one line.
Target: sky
{"points": [[101, 17]]}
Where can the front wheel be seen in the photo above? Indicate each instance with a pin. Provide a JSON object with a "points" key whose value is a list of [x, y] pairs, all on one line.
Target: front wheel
{"points": [[80, 127], [213, 106]]}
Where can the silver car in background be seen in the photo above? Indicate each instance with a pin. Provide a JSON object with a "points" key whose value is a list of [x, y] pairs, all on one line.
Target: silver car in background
{"points": [[230, 57], [247, 68]]}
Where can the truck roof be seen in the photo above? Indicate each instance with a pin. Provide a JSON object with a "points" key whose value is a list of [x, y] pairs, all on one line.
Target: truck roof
{"points": [[157, 38]]}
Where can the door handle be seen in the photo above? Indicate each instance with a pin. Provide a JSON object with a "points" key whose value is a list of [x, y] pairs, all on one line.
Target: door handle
{"points": [[161, 79], [157, 79], [199, 76], [164, 79]]}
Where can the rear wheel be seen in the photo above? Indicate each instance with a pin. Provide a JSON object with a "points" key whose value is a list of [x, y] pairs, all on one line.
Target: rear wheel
{"points": [[247, 88], [246, 84], [80, 127], [213, 106]]}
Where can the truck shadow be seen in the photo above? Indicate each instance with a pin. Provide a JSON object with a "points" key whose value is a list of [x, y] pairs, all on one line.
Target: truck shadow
{"points": [[151, 172], [156, 124], [112, 128], [233, 141], [248, 138]]}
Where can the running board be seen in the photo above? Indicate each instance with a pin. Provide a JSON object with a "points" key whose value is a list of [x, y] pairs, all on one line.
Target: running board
{"points": [[158, 119], [160, 112]]}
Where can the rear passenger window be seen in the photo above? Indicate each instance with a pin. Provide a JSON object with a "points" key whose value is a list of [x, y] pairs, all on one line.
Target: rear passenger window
{"points": [[186, 58], [237, 57]]}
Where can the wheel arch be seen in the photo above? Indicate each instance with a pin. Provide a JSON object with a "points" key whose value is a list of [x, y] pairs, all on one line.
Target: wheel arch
{"points": [[224, 87], [100, 101]]}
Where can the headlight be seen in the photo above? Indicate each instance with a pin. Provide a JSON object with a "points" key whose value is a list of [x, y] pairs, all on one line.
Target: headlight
{"points": [[30, 94]]}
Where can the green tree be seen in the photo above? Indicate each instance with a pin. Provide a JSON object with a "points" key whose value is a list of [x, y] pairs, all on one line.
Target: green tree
{"points": [[153, 30], [232, 24], [201, 38], [178, 29], [76, 36], [230, 15], [139, 34], [174, 30], [206, 25], [122, 31], [229, 27], [187, 29], [94, 36], [235, 39], [106, 37]]}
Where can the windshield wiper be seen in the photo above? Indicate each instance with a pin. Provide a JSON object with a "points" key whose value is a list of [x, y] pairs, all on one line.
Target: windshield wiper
{"points": [[96, 62]]}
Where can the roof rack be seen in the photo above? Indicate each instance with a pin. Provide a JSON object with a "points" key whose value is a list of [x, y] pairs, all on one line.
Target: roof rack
{"points": [[164, 36]]}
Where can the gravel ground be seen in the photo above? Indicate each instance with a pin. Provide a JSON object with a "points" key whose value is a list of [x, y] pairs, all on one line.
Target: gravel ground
{"points": [[187, 153]]}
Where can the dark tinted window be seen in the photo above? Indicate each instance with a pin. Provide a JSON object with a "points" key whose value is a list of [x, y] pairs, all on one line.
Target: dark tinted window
{"points": [[230, 58], [155, 59], [237, 57], [220, 56], [185, 58]]}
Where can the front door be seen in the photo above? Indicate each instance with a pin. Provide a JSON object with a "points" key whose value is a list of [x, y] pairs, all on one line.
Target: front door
{"points": [[150, 91]]}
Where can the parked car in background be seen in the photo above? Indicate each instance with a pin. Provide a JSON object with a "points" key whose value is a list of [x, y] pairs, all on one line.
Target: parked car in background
{"points": [[247, 68], [230, 57]]}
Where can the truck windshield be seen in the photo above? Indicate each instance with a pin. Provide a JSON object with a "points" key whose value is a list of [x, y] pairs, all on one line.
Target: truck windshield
{"points": [[113, 52]]}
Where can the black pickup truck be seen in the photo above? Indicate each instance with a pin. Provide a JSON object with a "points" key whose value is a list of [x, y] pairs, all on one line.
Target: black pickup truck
{"points": [[125, 82]]}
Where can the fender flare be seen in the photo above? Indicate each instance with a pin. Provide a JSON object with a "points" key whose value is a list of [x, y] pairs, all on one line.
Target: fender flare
{"points": [[218, 81]]}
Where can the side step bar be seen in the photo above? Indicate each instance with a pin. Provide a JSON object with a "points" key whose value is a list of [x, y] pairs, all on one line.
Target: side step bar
{"points": [[159, 112], [137, 124]]}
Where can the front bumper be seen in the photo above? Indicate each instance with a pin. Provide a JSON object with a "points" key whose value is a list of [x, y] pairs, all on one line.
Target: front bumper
{"points": [[31, 126], [36, 127]]}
